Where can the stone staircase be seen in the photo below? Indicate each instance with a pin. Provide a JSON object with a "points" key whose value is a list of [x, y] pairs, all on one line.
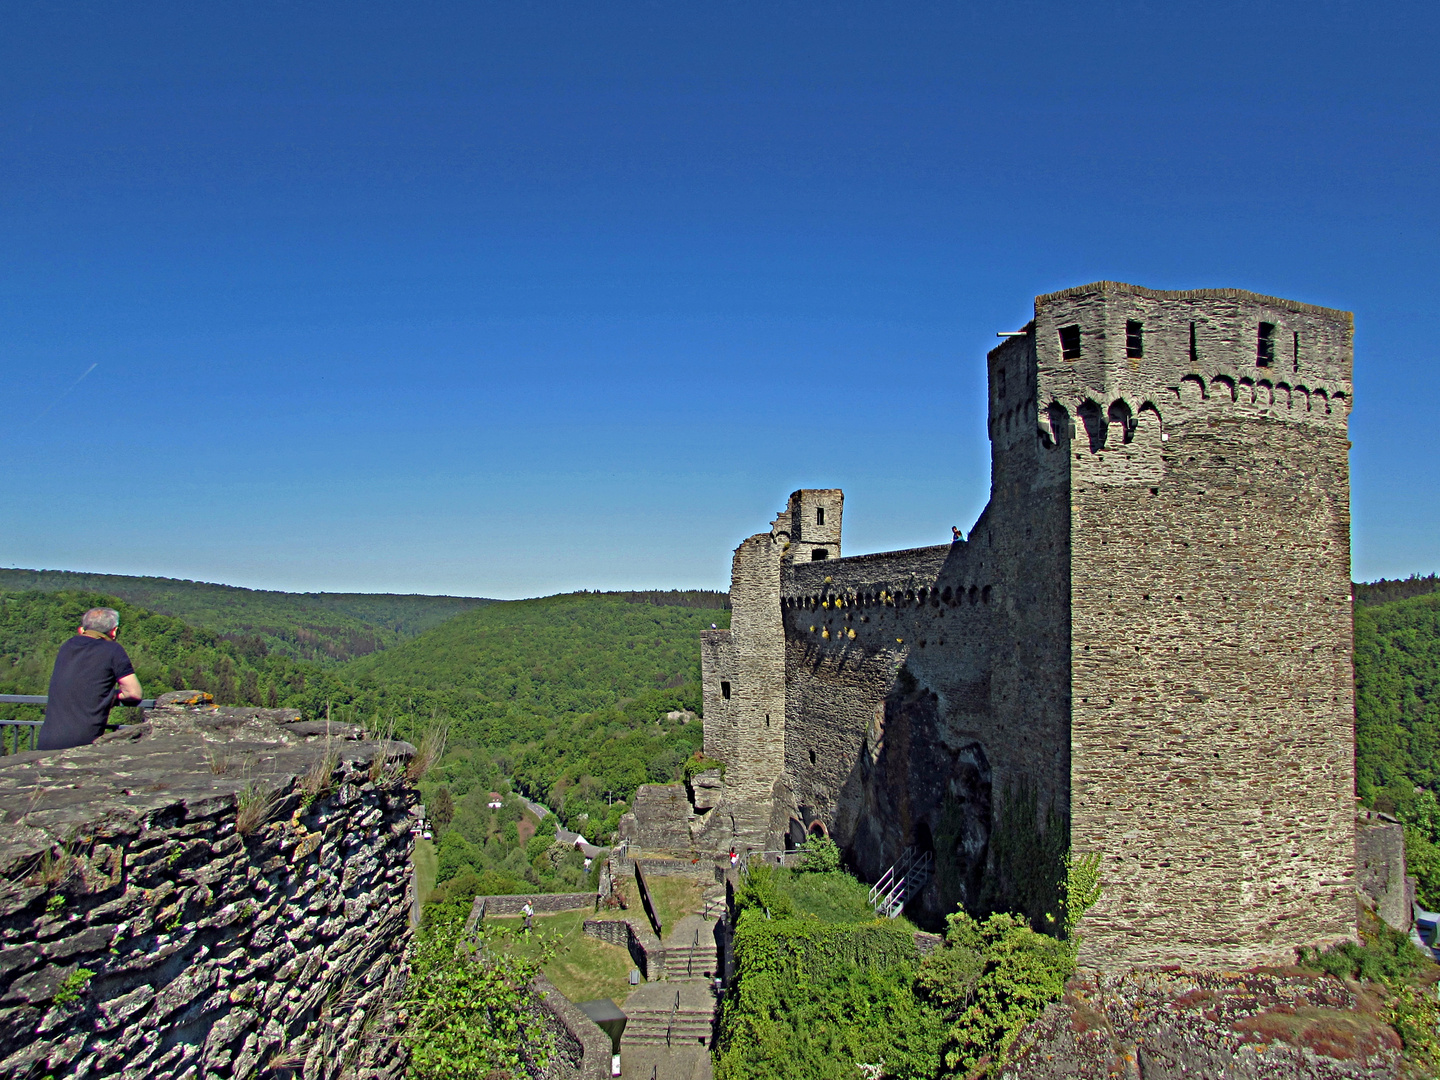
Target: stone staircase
{"points": [[676, 1013], [690, 949], [672, 1021]]}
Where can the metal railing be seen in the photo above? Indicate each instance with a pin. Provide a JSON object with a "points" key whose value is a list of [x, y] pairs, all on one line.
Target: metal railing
{"points": [[14, 733], [903, 881]]}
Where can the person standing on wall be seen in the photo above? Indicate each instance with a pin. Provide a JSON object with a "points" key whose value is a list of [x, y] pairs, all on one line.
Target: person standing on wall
{"points": [[92, 675]]}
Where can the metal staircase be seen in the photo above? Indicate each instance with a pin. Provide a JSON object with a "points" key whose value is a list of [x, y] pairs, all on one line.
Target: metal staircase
{"points": [[902, 883]]}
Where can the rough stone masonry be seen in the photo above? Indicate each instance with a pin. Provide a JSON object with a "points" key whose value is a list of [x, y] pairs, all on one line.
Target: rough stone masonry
{"points": [[213, 893], [1141, 649]]}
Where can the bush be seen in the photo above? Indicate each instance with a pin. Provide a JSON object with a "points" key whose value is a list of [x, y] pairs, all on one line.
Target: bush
{"points": [[470, 1011], [760, 891], [832, 997], [1006, 974], [822, 855], [1385, 953]]}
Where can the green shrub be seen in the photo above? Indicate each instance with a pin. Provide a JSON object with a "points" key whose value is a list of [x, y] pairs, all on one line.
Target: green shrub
{"points": [[822, 855], [1385, 953], [1005, 972], [469, 1008], [760, 891], [819, 998]]}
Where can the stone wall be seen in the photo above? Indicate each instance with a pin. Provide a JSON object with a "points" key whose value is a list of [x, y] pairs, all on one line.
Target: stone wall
{"points": [[1380, 868], [659, 818], [636, 938], [582, 1049], [542, 903], [717, 672], [209, 894]]}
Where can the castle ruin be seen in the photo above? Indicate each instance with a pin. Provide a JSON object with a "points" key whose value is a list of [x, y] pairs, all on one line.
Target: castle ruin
{"points": [[1141, 649]]}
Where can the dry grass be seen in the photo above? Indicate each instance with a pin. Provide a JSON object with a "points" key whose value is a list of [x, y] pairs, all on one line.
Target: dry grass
{"points": [[316, 781], [432, 745], [53, 868], [219, 762], [381, 770], [253, 808]]}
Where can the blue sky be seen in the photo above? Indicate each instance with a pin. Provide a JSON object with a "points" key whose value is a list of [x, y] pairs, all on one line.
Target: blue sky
{"points": [[509, 299]]}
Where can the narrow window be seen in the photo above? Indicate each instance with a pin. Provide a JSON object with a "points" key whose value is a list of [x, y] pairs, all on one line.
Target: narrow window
{"points": [[1194, 350], [725, 690], [1134, 340], [1000, 382], [1069, 343], [767, 719], [812, 757], [819, 553], [1295, 351], [1265, 344], [819, 515]]}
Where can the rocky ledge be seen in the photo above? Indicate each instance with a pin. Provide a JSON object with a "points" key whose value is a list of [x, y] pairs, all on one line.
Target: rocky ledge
{"points": [[211, 893], [1164, 1025]]}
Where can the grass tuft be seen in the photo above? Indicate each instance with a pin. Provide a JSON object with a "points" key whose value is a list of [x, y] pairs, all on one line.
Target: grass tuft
{"points": [[253, 808]]}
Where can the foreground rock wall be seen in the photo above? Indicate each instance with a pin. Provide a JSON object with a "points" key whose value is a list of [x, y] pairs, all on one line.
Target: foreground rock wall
{"points": [[211, 894], [1234, 1025]]}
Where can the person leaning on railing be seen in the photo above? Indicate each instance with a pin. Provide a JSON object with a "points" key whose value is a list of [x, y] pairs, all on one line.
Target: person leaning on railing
{"points": [[92, 675]]}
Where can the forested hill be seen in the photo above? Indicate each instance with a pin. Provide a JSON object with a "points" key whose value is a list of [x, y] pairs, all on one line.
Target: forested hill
{"points": [[1386, 591], [504, 669], [324, 627], [569, 694]]}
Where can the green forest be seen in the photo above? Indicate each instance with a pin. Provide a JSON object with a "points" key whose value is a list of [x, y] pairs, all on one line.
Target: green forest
{"points": [[574, 700], [1397, 725], [324, 627]]}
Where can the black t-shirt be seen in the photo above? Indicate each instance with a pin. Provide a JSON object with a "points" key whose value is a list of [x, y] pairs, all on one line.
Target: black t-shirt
{"points": [[82, 690]]}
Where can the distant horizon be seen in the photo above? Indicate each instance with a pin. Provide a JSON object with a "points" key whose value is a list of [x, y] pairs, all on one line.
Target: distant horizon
{"points": [[465, 596]]}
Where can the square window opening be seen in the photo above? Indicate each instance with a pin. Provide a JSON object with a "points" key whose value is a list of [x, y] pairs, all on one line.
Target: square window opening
{"points": [[1134, 340], [1069, 343], [1265, 344]]}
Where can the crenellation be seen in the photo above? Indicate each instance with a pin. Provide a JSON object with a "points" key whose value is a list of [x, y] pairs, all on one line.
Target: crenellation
{"points": [[1141, 649]]}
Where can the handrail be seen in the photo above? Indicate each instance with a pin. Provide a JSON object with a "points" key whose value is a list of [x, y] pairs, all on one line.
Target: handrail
{"points": [[43, 699], [34, 725]]}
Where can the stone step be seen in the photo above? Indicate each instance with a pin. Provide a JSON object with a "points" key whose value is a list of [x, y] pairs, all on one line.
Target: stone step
{"points": [[650, 1034], [661, 1039]]}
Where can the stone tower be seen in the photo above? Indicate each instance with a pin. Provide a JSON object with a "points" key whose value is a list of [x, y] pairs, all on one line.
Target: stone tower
{"points": [[1142, 648]]}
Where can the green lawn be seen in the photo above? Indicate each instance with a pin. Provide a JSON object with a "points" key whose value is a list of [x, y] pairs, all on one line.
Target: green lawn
{"points": [[426, 864], [835, 898], [583, 968]]}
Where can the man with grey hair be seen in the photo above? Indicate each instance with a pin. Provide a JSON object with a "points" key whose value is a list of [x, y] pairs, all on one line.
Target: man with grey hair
{"points": [[92, 675]]}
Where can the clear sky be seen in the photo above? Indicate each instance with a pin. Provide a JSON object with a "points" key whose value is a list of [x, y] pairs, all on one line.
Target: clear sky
{"points": [[506, 299]]}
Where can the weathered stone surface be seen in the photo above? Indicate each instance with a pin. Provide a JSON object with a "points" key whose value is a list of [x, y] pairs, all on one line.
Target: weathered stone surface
{"points": [[134, 915], [1144, 642], [1380, 867], [660, 817], [1170, 1025]]}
